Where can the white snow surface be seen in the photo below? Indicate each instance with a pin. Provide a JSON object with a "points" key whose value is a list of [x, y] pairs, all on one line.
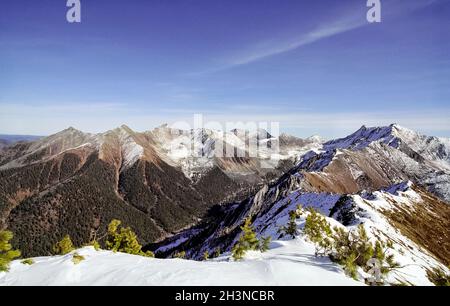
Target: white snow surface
{"points": [[413, 259], [287, 263]]}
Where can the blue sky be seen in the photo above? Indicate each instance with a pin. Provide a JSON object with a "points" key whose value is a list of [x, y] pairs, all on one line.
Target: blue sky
{"points": [[317, 67]]}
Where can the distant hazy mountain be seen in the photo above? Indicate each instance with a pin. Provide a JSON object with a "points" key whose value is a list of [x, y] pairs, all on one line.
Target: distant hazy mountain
{"points": [[6, 140]]}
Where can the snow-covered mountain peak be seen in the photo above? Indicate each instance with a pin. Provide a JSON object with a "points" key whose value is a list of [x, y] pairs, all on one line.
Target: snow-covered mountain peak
{"points": [[363, 137], [315, 139]]}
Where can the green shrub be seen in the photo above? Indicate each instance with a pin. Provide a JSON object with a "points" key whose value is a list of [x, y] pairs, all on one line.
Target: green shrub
{"points": [[247, 241], [353, 249], [316, 226], [217, 252], [291, 227], [438, 277], [95, 244], [180, 255], [350, 249], [7, 254], [77, 258], [206, 255], [264, 244], [354, 244], [64, 246], [123, 239], [27, 261]]}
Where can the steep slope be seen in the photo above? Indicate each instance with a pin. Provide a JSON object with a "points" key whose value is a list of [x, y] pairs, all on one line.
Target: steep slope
{"points": [[75, 183], [357, 179], [373, 158], [419, 243]]}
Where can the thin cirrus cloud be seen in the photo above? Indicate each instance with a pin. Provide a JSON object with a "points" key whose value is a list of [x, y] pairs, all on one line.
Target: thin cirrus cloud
{"points": [[286, 46], [263, 50]]}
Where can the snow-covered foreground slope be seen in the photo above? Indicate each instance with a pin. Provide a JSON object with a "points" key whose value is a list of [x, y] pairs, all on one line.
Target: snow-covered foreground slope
{"points": [[414, 222], [287, 263], [370, 210]]}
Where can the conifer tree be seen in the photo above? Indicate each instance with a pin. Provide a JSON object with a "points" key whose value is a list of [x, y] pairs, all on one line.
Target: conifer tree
{"points": [[247, 241], [217, 252], [316, 227], [124, 240], [180, 255], [77, 258], [27, 261], [264, 244], [95, 244], [64, 246], [318, 230], [7, 254], [206, 255], [291, 227]]}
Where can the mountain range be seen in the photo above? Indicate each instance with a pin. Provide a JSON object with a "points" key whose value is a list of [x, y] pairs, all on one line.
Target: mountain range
{"points": [[393, 180]]}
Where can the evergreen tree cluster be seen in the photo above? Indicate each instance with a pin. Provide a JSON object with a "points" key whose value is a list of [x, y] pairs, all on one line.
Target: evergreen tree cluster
{"points": [[123, 239], [64, 246], [117, 239], [248, 241], [351, 249], [7, 254]]}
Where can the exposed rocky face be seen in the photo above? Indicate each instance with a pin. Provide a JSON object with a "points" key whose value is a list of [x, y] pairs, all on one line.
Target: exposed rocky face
{"points": [[387, 174], [75, 183]]}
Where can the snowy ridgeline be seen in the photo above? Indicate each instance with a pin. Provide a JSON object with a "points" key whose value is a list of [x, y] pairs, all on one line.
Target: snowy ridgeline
{"points": [[287, 262]]}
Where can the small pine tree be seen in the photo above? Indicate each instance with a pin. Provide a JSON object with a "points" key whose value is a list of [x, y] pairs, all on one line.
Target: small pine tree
{"points": [[27, 261], [123, 239], [349, 264], [291, 227], [217, 252], [95, 244], [180, 255], [206, 255], [64, 246], [264, 244], [299, 210], [247, 241], [7, 254], [363, 246], [316, 227], [77, 258], [318, 230]]}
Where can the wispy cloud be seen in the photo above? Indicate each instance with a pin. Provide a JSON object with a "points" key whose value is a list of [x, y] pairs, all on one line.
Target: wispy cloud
{"points": [[280, 47], [262, 50]]}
